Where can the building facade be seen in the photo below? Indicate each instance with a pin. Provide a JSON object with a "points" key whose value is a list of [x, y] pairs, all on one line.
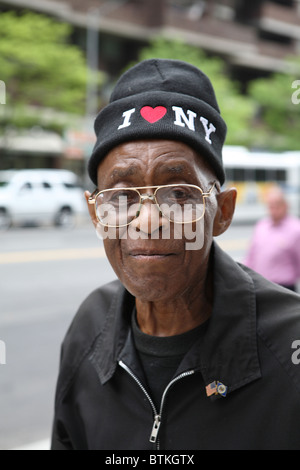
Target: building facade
{"points": [[254, 37]]}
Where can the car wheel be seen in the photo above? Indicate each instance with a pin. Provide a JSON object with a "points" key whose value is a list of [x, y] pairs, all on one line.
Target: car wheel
{"points": [[5, 220], [65, 218]]}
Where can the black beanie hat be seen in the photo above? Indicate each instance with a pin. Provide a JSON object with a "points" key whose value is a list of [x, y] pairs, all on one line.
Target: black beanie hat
{"points": [[162, 99]]}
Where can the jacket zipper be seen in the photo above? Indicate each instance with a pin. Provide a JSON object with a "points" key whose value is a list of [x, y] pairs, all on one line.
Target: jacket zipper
{"points": [[157, 416]]}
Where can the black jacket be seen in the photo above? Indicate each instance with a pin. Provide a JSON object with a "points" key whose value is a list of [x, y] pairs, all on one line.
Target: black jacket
{"points": [[102, 402]]}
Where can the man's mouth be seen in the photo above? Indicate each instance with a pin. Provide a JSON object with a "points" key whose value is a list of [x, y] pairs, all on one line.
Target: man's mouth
{"points": [[150, 255]]}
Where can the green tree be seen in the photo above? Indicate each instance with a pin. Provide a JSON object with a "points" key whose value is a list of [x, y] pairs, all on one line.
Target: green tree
{"points": [[40, 66], [237, 110], [278, 122]]}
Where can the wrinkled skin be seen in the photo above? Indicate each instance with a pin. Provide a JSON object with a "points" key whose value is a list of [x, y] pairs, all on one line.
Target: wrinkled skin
{"points": [[173, 286]]}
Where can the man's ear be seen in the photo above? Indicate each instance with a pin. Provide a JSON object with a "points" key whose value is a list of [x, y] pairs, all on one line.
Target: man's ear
{"points": [[91, 209], [225, 212]]}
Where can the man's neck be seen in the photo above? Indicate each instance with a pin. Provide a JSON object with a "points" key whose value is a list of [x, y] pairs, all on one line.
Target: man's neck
{"points": [[177, 316]]}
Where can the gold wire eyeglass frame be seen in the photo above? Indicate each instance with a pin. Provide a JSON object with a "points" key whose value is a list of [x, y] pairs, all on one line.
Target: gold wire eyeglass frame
{"points": [[152, 197]]}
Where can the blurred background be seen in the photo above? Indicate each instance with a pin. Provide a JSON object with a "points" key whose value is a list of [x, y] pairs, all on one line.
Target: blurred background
{"points": [[59, 61]]}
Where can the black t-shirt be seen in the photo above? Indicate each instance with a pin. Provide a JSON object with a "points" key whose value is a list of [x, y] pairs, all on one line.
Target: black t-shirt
{"points": [[161, 356]]}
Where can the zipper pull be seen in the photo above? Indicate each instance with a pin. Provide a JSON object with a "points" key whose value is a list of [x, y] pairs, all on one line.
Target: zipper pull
{"points": [[155, 429]]}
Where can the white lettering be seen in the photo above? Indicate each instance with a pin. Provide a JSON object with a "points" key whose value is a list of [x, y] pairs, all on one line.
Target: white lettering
{"points": [[196, 236], [115, 460], [2, 353], [182, 120], [296, 95], [143, 222], [208, 130], [162, 459], [127, 115], [296, 354], [2, 92]]}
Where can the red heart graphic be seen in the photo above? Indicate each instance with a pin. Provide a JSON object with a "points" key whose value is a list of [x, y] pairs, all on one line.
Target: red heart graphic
{"points": [[153, 115]]}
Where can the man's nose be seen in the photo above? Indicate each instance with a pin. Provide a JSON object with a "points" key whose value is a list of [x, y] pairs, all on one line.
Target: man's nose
{"points": [[149, 219]]}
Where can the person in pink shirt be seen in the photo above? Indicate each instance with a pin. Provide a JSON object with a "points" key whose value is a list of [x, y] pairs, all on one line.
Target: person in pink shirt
{"points": [[275, 248]]}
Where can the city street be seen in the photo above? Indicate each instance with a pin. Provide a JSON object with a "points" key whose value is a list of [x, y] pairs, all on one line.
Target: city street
{"points": [[45, 274]]}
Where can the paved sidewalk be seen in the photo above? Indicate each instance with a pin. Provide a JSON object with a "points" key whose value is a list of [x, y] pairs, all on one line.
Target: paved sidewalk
{"points": [[41, 445]]}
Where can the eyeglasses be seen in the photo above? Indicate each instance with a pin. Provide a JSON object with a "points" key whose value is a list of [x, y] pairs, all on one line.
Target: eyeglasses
{"points": [[179, 203]]}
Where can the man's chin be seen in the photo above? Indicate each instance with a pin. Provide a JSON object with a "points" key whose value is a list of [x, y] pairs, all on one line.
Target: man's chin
{"points": [[152, 290]]}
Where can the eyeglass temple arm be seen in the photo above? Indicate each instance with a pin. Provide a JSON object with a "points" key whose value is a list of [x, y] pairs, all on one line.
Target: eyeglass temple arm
{"points": [[91, 199], [211, 190]]}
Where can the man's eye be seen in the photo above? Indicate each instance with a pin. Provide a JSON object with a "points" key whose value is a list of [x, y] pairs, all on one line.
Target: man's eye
{"points": [[123, 197], [179, 194]]}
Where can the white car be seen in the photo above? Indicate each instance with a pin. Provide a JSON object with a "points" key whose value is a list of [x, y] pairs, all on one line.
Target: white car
{"points": [[40, 197]]}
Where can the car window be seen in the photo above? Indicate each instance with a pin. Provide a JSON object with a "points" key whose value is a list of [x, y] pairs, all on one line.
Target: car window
{"points": [[46, 185], [3, 184], [26, 186], [70, 185]]}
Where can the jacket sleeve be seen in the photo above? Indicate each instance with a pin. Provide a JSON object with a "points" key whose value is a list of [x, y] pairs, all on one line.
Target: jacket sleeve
{"points": [[67, 432], [60, 439]]}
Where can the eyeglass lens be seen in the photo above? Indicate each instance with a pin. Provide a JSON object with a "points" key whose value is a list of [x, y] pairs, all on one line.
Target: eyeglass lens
{"points": [[180, 204]]}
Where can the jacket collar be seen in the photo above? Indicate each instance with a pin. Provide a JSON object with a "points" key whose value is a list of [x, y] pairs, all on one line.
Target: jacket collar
{"points": [[228, 352]]}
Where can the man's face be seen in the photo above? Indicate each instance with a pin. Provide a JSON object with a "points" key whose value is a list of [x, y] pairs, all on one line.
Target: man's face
{"points": [[153, 267], [277, 206]]}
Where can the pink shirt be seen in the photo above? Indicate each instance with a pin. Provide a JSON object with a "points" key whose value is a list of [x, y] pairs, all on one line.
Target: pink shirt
{"points": [[275, 251]]}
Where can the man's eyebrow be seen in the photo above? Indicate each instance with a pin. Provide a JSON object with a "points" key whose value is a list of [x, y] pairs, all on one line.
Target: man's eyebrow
{"points": [[174, 169], [120, 173]]}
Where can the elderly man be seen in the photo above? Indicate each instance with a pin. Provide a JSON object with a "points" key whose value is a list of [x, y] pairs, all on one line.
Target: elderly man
{"points": [[187, 350]]}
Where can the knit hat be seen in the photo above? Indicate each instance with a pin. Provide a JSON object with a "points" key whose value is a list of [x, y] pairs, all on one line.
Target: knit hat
{"points": [[162, 99]]}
